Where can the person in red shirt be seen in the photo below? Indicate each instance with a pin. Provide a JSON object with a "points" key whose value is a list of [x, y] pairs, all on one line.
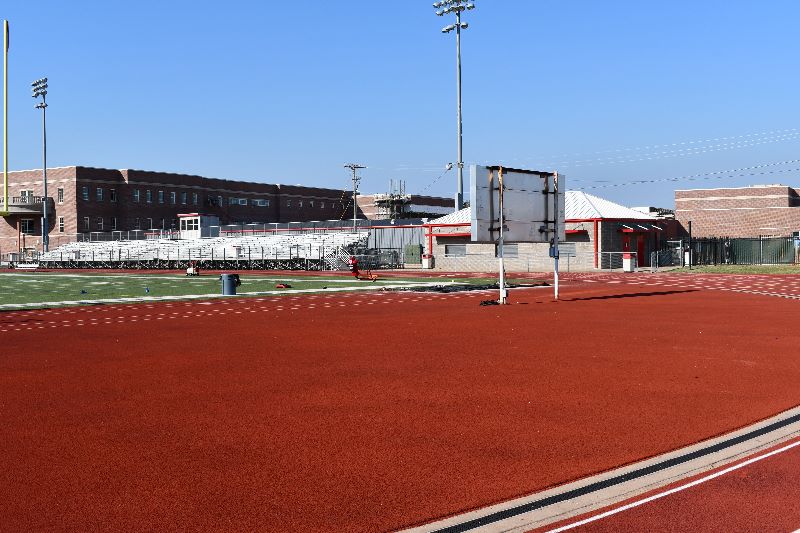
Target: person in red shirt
{"points": [[352, 263]]}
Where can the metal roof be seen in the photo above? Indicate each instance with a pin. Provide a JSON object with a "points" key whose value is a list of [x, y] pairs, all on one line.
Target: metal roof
{"points": [[579, 205]]}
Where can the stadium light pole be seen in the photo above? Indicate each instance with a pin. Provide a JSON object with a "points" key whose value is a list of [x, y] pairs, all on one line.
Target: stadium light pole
{"points": [[40, 89], [5, 118], [445, 7]]}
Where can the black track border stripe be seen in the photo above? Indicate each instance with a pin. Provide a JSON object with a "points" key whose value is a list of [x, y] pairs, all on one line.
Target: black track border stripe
{"points": [[622, 478]]}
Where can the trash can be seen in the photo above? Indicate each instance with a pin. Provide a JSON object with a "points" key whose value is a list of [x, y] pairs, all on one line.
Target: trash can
{"points": [[629, 262], [229, 283], [427, 261]]}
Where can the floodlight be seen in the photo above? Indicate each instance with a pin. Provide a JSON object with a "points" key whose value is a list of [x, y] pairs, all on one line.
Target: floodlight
{"points": [[456, 7]]}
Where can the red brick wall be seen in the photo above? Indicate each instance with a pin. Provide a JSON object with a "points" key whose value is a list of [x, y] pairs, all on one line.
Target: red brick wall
{"points": [[287, 203], [32, 180], [739, 212]]}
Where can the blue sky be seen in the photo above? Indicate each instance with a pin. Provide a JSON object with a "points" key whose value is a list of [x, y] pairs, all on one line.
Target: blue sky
{"points": [[608, 93]]}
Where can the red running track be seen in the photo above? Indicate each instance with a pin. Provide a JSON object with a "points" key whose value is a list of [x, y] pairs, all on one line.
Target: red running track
{"points": [[366, 412], [760, 497]]}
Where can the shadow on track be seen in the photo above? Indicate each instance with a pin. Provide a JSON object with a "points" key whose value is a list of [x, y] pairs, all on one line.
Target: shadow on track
{"points": [[628, 295]]}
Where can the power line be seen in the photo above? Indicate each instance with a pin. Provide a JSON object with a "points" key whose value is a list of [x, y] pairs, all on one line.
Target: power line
{"points": [[447, 169], [648, 156], [720, 174]]}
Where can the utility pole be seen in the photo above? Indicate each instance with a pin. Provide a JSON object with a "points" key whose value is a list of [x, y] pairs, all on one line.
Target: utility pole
{"points": [[457, 6], [40, 89], [354, 167]]}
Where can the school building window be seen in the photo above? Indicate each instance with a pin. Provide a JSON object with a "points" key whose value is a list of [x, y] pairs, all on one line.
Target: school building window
{"points": [[219, 201], [194, 198], [172, 197], [99, 194], [26, 226], [85, 193], [137, 223], [149, 223], [86, 224], [136, 195], [112, 195], [184, 197], [99, 222], [149, 196], [61, 224], [60, 196], [161, 197], [113, 222]]}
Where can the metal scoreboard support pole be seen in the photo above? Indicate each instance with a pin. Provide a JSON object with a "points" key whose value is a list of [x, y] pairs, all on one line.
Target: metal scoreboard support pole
{"points": [[519, 205], [502, 281], [555, 236]]}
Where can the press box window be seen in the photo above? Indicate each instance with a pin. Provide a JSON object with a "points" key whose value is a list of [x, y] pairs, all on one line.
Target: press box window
{"points": [[455, 250], [191, 224]]}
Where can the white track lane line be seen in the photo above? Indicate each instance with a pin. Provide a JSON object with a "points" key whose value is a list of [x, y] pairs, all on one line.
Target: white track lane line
{"points": [[674, 490]]}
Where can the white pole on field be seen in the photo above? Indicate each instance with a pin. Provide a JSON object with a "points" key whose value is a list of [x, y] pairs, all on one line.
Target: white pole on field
{"points": [[502, 299], [555, 235]]}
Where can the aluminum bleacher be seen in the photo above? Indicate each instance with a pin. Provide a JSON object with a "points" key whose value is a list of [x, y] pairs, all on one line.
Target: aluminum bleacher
{"points": [[310, 251]]}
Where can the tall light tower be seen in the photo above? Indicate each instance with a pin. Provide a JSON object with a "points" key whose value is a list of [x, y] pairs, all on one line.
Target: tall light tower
{"points": [[40, 89], [354, 167], [457, 6]]}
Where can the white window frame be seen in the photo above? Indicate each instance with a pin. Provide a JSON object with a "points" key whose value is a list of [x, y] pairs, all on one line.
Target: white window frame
{"points": [[27, 222]]}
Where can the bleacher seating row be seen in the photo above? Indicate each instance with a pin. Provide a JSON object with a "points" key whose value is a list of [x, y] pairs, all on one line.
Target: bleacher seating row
{"points": [[310, 246]]}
